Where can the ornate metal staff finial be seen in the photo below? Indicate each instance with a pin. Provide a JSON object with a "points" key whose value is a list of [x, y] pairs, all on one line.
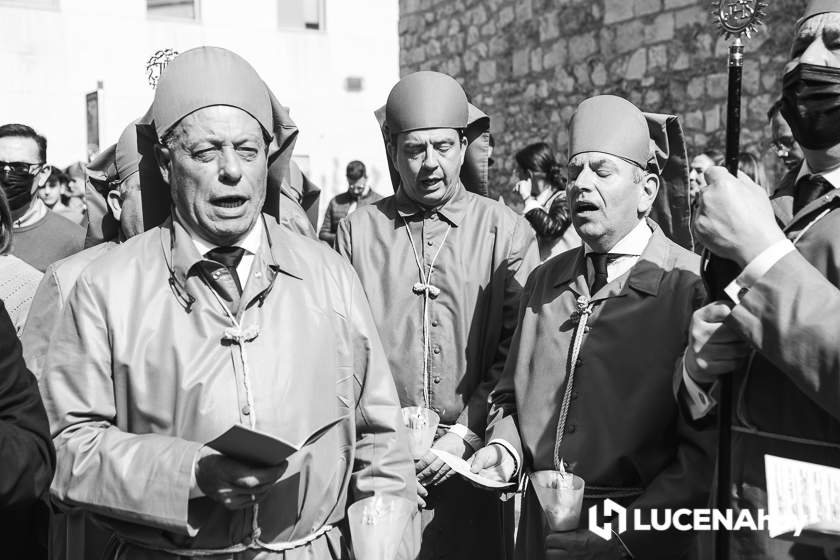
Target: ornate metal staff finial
{"points": [[156, 63], [739, 17]]}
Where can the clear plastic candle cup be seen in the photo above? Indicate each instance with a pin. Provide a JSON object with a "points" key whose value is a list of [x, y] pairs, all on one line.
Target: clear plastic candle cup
{"points": [[377, 525], [561, 497], [421, 424]]}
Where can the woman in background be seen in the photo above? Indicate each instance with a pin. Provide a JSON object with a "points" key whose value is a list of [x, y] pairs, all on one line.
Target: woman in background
{"points": [[18, 280], [542, 186]]}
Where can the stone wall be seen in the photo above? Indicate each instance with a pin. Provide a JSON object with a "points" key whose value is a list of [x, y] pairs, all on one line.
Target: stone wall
{"points": [[528, 63]]}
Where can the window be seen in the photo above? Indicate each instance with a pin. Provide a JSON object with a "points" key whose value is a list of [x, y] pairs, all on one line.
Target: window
{"points": [[180, 9], [48, 4], [354, 83], [301, 14]]}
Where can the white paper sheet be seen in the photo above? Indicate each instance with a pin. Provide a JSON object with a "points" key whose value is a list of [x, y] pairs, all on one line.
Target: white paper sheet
{"points": [[802, 496], [463, 468]]}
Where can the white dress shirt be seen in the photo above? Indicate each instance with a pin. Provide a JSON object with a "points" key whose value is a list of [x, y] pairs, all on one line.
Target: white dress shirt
{"points": [[251, 244], [630, 248]]}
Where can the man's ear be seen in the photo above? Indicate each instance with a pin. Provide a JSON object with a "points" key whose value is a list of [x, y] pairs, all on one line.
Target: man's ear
{"points": [[163, 157], [650, 188], [114, 201], [463, 148], [391, 148]]}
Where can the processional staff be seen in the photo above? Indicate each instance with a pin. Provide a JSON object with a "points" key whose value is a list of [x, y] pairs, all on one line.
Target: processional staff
{"points": [[736, 19]]}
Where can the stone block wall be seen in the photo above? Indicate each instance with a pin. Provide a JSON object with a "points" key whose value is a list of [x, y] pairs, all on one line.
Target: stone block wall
{"points": [[528, 63]]}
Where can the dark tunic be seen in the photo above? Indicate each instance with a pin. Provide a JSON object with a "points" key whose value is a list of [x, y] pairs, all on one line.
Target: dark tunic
{"points": [[27, 457], [788, 400], [624, 435]]}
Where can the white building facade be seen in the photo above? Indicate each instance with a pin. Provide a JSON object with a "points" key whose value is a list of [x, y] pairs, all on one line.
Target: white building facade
{"points": [[332, 62]]}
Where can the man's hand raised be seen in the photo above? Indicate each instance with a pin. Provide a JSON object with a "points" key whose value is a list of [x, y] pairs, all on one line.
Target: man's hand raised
{"points": [[735, 219], [713, 348]]}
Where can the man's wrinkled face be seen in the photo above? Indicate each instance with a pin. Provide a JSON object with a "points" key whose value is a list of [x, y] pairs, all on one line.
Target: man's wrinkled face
{"points": [[429, 163], [817, 42], [50, 192], [216, 166], [783, 143], [607, 197], [696, 179]]}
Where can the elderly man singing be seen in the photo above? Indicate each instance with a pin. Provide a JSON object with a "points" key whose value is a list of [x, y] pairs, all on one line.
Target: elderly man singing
{"points": [[218, 318]]}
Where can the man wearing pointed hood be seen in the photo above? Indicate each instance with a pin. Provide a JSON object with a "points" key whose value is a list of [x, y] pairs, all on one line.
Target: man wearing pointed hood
{"points": [[587, 386], [783, 308], [217, 318], [443, 269]]}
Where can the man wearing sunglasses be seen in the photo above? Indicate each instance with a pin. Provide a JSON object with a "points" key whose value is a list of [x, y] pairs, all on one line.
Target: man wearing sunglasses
{"points": [[41, 237]]}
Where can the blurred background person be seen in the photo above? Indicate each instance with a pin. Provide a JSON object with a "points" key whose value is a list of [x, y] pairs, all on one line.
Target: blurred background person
{"points": [[753, 167], [52, 194], [41, 237], [18, 280], [698, 166], [542, 188], [358, 194], [783, 144], [73, 196]]}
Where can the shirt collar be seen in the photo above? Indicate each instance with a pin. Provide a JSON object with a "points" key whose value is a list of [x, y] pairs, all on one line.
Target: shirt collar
{"points": [[832, 176], [453, 210], [633, 243], [37, 210], [251, 243]]}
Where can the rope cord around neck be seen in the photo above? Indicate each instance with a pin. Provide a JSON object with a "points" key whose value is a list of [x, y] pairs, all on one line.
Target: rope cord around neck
{"points": [[429, 292], [584, 310]]}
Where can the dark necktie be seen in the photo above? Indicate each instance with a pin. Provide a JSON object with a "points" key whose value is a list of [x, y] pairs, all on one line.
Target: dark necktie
{"points": [[599, 265], [808, 190], [229, 257]]}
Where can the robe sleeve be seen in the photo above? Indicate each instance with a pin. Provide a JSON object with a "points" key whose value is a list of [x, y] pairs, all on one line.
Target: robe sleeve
{"points": [[102, 468], [344, 240], [685, 482], [521, 259], [791, 315], [502, 420], [26, 452], [383, 462], [326, 233], [43, 315]]}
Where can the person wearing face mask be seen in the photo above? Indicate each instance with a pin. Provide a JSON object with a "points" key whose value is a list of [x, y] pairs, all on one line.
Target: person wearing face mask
{"points": [[783, 144], [358, 194], [443, 269], [783, 310], [41, 237]]}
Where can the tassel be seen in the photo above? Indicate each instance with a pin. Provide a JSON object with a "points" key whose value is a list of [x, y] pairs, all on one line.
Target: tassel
{"points": [[420, 288], [237, 335]]}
